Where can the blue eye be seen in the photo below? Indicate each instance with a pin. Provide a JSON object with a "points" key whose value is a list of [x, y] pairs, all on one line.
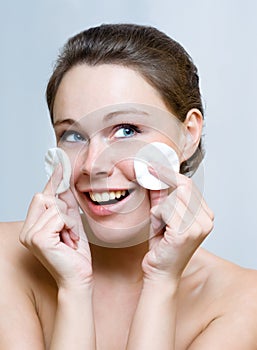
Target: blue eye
{"points": [[72, 136], [126, 130]]}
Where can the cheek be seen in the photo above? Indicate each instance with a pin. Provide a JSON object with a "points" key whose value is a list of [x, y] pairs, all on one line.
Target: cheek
{"points": [[126, 167], [76, 166]]}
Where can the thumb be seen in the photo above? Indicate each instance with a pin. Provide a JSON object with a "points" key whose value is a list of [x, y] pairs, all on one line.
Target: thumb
{"points": [[69, 199], [157, 197], [73, 209]]}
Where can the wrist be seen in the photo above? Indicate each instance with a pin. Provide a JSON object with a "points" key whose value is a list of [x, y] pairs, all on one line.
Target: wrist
{"points": [[75, 290], [75, 284], [161, 284]]}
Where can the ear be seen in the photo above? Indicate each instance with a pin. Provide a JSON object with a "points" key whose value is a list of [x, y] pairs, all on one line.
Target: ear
{"points": [[193, 131]]}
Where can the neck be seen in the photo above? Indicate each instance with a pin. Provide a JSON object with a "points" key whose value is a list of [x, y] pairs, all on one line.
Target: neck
{"points": [[119, 264]]}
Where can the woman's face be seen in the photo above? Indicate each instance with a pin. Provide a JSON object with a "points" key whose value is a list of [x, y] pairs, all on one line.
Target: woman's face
{"points": [[102, 116]]}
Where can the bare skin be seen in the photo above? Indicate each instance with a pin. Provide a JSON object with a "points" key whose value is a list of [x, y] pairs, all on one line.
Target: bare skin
{"points": [[61, 291], [211, 290]]}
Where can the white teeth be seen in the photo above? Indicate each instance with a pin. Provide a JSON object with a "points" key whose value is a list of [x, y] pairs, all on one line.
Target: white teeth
{"points": [[112, 195], [92, 197], [98, 197], [106, 196]]}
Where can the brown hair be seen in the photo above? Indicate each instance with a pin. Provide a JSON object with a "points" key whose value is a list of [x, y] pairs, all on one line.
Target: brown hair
{"points": [[162, 61]]}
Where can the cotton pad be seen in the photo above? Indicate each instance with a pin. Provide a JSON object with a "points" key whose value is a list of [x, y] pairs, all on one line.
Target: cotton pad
{"points": [[155, 152], [53, 157]]}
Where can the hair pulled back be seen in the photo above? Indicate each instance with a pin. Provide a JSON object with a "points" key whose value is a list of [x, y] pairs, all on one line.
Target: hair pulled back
{"points": [[162, 61]]}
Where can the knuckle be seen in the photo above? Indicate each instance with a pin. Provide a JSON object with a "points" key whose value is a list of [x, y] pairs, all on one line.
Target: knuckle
{"points": [[211, 214], [42, 199], [196, 229], [61, 205], [35, 239], [209, 227], [38, 197], [22, 238]]}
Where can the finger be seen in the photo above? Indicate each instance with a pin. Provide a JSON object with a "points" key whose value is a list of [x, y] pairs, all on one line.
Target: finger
{"points": [[69, 198], [61, 220], [157, 196], [180, 218], [39, 204], [73, 210], [165, 174], [188, 193], [170, 177], [180, 222], [38, 225], [208, 210], [70, 239], [54, 181], [193, 199], [168, 210], [178, 208], [48, 236]]}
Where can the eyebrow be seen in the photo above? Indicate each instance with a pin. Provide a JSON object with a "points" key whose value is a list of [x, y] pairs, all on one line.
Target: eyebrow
{"points": [[107, 117], [68, 121], [124, 112]]}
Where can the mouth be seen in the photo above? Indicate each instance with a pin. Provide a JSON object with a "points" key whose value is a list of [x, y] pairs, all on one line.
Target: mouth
{"points": [[107, 197]]}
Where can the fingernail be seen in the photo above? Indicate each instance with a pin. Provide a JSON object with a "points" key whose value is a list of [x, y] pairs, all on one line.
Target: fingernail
{"points": [[74, 236]]}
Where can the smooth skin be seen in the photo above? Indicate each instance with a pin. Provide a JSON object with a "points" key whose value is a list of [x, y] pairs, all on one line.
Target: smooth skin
{"points": [[62, 292]]}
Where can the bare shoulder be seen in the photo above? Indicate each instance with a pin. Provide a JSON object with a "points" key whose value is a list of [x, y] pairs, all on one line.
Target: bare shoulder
{"points": [[10, 246], [226, 281], [230, 301], [24, 285], [24, 275], [16, 261], [229, 278], [12, 252]]}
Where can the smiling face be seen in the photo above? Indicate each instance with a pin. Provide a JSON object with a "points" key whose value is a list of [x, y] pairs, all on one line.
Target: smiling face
{"points": [[102, 116]]}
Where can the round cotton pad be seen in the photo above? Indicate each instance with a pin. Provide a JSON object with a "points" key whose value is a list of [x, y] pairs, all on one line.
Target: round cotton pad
{"points": [[156, 152], [53, 157]]}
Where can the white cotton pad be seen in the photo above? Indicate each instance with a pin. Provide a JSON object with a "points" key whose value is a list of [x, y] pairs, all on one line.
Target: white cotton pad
{"points": [[53, 157], [156, 152]]}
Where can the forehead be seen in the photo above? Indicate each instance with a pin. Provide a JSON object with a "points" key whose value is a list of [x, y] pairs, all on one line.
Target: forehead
{"points": [[85, 89]]}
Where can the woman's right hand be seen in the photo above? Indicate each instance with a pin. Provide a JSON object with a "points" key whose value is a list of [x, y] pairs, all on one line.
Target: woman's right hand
{"points": [[54, 233]]}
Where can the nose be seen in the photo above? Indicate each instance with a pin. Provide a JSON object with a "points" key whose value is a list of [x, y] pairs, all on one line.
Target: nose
{"points": [[96, 160]]}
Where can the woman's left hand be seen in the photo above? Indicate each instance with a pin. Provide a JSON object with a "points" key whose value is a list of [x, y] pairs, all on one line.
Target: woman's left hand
{"points": [[180, 221]]}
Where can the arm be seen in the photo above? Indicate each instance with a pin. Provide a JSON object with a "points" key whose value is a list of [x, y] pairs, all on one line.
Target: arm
{"points": [[20, 326], [54, 233], [154, 323], [180, 222], [74, 324]]}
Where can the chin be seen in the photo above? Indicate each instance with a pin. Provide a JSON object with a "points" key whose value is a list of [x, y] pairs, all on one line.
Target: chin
{"points": [[120, 234]]}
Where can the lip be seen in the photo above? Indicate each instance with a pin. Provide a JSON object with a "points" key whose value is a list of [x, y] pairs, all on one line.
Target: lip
{"points": [[101, 209], [104, 189]]}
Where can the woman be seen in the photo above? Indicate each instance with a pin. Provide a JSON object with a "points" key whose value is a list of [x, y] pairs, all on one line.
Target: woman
{"points": [[129, 272]]}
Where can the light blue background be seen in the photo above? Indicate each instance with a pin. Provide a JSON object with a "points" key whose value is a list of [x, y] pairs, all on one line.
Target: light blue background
{"points": [[221, 37]]}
